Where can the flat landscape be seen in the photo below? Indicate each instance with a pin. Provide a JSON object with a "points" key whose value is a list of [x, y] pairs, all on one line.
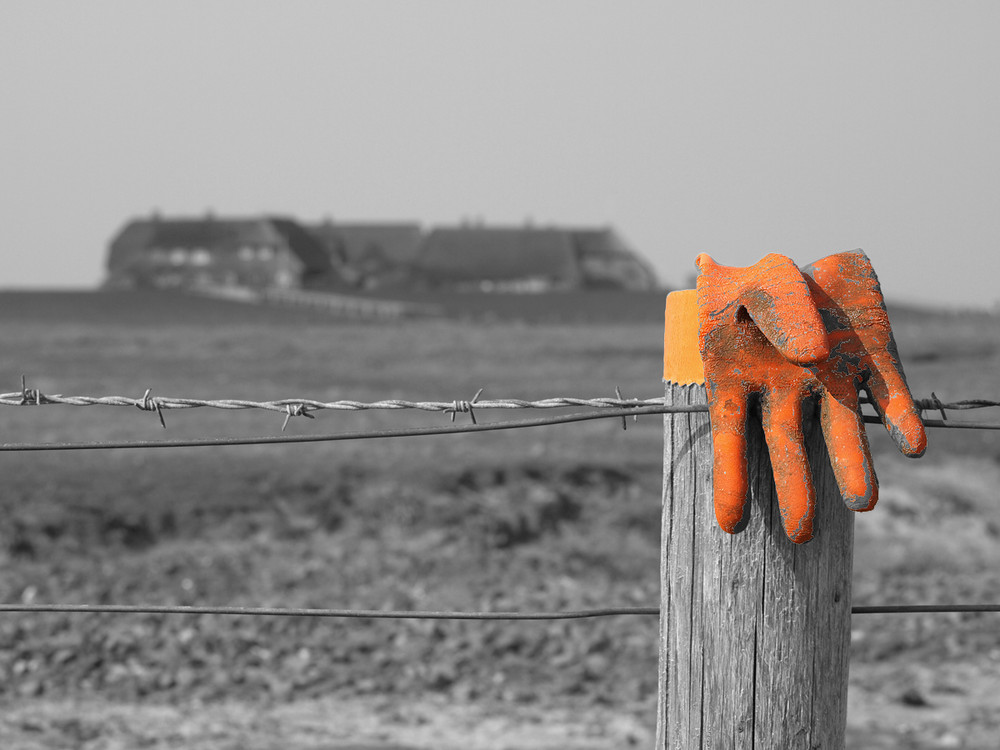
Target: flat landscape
{"points": [[563, 517]]}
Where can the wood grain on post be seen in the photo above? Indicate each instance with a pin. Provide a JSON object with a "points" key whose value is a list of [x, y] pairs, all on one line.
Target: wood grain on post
{"points": [[754, 630]]}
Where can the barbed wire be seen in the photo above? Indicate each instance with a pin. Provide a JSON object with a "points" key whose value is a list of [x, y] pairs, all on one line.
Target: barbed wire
{"points": [[381, 614], [301, 407], [297, 407]]}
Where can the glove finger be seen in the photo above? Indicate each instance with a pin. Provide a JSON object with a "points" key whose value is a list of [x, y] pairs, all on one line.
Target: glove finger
{"points": [[728, 413], [847, 444], [792, 475], [891, 397], [850, 279], [776, 297]]}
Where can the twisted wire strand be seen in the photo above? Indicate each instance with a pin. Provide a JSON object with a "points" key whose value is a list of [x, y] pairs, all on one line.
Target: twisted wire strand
{"points": [[150, 403], [301, 406], [380, 614], [969, 403]]}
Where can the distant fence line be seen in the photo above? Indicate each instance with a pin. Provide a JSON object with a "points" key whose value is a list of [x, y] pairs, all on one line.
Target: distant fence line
{"points": [[339, 304], [350, 306]]}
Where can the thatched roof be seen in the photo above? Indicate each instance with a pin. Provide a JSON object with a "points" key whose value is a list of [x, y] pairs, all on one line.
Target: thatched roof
{"points": [[468, 254], [394, 243], [558, 257], [142, 235]]}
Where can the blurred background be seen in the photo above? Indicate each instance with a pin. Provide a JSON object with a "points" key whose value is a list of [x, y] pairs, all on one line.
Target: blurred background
{"points": [[723, 128]]}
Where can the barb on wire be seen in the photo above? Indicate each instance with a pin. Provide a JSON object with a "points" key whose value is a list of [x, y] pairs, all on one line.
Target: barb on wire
{"points": [[465, 407], [29, 395], [621, 399], [295, 410], [936, 402], [151, 404]]}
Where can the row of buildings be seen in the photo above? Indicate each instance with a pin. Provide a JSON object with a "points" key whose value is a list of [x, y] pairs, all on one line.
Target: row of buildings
{"points": [[281, 253]]}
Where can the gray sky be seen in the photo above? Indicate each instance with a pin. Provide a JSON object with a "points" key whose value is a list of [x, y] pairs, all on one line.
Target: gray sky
{"points": [[736, 129]]}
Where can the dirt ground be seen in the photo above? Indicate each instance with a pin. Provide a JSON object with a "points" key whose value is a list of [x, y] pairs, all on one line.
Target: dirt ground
{"points": [[560, 518], [891, 708], [307, 725]]}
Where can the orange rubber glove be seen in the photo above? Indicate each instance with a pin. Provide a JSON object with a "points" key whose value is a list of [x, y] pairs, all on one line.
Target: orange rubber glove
{"points": [[773, 334]]}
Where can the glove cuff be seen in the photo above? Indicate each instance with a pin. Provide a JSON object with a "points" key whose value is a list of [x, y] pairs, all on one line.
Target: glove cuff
{"points": [[681, 359]]}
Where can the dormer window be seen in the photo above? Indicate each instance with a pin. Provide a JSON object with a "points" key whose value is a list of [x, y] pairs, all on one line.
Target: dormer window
{"points": [[178, 256], [265, 252], [246, 253]]}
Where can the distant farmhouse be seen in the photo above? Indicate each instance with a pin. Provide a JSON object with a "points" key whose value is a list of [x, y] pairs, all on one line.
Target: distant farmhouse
{"points": [[528, 259], [215, 252], [268, 253]]}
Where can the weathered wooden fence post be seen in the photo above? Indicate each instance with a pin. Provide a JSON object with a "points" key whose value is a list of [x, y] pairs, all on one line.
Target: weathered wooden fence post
{"points": [[754, 630]]}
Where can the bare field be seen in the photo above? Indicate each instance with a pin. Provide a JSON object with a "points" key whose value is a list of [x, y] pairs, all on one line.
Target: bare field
{"points": [[549, 518]]}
